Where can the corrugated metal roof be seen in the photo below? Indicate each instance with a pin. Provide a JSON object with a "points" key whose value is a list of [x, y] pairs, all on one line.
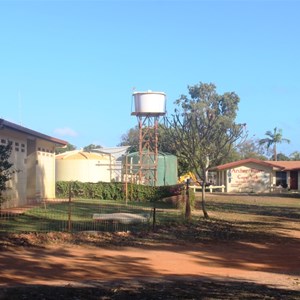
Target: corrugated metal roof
{"points": [[19, 128], [117, 152]]}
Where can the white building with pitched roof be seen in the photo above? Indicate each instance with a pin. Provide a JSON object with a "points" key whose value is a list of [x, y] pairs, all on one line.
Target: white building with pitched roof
{"points": [[254, 175], [33, 156]]}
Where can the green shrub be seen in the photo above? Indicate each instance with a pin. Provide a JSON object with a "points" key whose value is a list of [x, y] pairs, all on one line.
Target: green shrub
{"points": [[115, 191]]}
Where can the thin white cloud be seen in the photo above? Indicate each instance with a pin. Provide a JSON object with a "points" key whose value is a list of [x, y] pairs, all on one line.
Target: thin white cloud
{"points": [[66, 131]]}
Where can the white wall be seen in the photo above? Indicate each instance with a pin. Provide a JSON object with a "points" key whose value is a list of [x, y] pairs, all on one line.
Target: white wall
{"points": [[248, 178], [16, 192], [34, 160], [45, 170]]}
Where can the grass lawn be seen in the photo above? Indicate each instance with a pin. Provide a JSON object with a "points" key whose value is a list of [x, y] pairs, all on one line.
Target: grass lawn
{"points": [[231, 216], [78, 216]]}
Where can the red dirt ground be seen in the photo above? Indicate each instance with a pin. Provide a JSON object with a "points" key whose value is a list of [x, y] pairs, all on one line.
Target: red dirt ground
{"points": [[69, 264], [272, 263]]}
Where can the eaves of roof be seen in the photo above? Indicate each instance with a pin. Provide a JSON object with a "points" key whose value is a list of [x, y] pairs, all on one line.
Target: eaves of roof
{"points": [[276, 165], [240, 163], [287, 165], [13, 126]]}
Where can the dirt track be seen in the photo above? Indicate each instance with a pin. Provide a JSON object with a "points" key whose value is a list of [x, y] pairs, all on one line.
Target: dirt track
{"points": [[259, 258], [70, 264]]}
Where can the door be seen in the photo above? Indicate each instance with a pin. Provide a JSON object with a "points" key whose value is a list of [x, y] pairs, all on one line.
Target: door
{"points": [[294, 180]]}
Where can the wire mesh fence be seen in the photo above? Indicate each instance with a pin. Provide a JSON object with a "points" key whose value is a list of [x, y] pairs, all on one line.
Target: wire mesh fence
{"points": [[86, 215]]}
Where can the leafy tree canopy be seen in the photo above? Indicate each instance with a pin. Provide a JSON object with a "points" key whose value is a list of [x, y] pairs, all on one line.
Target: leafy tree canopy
{"points": [[295, 155], [69, 147], [282, 157], [203, 129], [249, 148], [131, 138], [91, 147]]}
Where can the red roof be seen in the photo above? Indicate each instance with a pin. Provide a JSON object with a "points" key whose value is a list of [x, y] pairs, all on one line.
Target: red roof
{"points": [[10, 125], [282, 165], [288, 165]]}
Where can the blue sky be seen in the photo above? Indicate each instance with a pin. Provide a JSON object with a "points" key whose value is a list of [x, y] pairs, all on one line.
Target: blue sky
{"points": [[68, 68]]}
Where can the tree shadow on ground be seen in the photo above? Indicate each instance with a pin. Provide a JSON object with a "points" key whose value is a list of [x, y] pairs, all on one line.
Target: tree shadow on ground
{"points": [[64, 262], [157, 288], [292, 213]]}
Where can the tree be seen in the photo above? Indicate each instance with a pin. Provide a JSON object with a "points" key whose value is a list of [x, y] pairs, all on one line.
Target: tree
{"points": [[5, 168], [131, 138], [295, 155], [250, 148], [272, 139], [282, 157], [168, 145], [91, 147], [69, 147], [203, 129]]}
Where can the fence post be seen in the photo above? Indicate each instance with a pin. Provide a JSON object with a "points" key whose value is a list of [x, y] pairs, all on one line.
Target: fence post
{"points": [[70, 208], [187, 201]]}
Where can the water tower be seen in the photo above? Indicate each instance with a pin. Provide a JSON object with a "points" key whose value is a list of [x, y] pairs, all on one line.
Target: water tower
{"points": [[149, 106]]}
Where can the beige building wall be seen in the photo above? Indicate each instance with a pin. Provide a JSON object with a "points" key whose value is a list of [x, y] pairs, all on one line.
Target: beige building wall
{"points": [[45, 170], [34, 161], [248, 178], [253, 175], [16, 192]]}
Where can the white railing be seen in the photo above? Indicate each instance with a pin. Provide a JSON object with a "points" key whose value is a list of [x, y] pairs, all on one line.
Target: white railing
{"points": [[211, 188]]}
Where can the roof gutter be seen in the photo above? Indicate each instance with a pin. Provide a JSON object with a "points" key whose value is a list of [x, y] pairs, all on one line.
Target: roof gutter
{"points": [[21, 129]]}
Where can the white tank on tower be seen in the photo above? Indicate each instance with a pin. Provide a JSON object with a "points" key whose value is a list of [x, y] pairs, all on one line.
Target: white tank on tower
{"points": [[149, 103]]}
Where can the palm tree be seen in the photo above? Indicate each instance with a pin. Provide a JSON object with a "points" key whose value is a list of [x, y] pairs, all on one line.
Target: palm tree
{"points": [[273, 138]]}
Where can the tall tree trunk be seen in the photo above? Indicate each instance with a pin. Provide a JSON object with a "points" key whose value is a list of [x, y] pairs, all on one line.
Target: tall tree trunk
{"points": [[275, 152], [203, 202]]}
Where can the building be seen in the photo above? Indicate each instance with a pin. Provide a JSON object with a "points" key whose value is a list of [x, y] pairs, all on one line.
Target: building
{"points": [[257, 176], [84, 166], [33, 156]]}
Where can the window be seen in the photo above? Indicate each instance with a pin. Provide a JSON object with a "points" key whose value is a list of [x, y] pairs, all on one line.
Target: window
{"points": [[281, 179]]}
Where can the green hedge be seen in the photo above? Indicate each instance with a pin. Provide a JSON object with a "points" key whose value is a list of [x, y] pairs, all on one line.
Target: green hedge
{"points": [[116, 191]]}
